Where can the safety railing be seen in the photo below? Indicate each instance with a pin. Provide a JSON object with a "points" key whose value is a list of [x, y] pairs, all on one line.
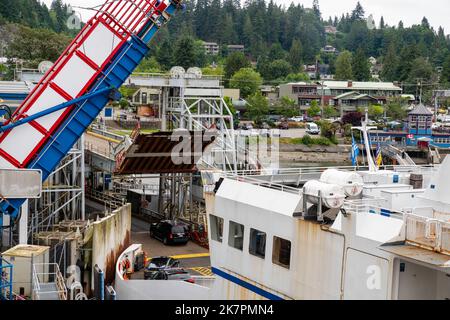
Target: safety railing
{"points": [[372, 206], [315, 170], [123, 187], [168, 76], [6, 271], [111, 201], [429, 233], [48, 282], [261, 183]]}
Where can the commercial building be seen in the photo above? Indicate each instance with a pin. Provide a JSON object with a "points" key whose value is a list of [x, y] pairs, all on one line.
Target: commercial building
{"points": [[417, 132], [346, 94]]}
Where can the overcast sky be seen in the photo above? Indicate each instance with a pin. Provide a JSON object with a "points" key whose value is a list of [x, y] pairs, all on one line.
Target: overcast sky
{"points": [[409, 11]]}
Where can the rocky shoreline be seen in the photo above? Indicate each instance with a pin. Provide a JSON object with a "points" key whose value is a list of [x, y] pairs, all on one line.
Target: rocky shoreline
{"points": [[339, 154]]}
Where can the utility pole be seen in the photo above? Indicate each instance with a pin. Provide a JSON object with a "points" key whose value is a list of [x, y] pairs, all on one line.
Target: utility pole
{"points": [[419, 84], [322, 100]]}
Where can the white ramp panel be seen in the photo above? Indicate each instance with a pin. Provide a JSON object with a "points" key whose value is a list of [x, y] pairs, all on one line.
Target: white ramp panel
{"points": [[72, 76]]}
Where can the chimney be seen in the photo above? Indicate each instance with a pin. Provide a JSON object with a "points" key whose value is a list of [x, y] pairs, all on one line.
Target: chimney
{"points": [[350, 84], [396, 83]]}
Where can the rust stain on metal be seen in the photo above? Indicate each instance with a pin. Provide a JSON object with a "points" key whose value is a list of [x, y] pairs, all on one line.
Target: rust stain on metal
{"points": [[152, 153], [111, 259]]}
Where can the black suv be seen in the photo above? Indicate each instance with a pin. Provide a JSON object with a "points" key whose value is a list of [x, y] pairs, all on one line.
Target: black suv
{"points": [[158, 264], [170, 232]]}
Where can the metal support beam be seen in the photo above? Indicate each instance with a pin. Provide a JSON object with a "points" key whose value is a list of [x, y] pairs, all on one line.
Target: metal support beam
{"points": [[54, 109]]}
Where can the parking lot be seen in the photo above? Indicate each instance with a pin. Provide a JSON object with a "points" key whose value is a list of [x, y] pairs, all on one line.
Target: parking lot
{"points": [[290, 133]]}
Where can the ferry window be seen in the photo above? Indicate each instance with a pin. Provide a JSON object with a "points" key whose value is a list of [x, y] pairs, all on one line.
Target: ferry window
{"points": [[236, 236], [281, 254], [257, 243], [216, 228]]}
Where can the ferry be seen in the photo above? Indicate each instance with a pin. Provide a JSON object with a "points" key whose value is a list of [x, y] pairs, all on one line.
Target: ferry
{"points": [[340, 233]]}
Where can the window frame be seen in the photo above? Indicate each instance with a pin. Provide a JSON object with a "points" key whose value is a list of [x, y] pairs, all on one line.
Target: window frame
{"points": [[255, 251], [276, 252], [230, 229], [219, 234]]}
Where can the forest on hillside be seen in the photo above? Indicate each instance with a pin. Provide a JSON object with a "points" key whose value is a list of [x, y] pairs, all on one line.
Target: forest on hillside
{"points": [[278, 39]]}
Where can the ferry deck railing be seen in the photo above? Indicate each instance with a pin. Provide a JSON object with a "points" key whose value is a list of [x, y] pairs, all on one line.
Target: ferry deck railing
{"points": [[311, 170], [372, 206], [261, 183], [428, 232]]}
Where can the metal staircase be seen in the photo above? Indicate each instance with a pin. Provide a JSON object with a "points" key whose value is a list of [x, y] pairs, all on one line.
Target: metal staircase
{"points": [[400, 156], [48, 282]]}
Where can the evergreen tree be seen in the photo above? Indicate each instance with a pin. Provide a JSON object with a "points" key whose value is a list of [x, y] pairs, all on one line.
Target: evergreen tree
{"points": [[60, 15], [234, 63], [425, 24], [344, 66], [316, 8], [295, 55], [278, 69], [445, 75], [360, 66], [185, 54], [358, 13], [165, 55], [407, 55], [390, 64], [382, 24], [276, 52]]}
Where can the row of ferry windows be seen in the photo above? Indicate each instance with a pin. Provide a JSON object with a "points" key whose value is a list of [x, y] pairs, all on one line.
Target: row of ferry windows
{"points": [[442, 140], [281, 253]]}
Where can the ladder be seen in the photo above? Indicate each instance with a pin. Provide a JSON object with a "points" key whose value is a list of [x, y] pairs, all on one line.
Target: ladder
{"points": [[74, 91]]}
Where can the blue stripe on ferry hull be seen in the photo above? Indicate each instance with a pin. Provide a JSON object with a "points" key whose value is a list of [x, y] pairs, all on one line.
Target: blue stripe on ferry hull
{"points": [[245, 284]]}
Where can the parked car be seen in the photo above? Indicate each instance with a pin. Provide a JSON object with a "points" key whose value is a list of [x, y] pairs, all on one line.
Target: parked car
{"points": [[157, 264], [247, 127], [274, 117], [284, 125], [169, 232], [178, 274], [312, 128], [297, 119]]}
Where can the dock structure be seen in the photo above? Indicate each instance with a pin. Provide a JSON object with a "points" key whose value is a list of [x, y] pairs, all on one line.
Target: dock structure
{"points": [[46, 130]]}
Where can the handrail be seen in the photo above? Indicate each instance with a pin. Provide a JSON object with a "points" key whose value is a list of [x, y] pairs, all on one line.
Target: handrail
{"points": [[58, 280], [310, 170], [261, 183], [168, 76]]}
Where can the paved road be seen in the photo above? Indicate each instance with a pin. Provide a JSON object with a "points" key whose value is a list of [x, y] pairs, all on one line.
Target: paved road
{"points": [[191, 256], [292, 133]]}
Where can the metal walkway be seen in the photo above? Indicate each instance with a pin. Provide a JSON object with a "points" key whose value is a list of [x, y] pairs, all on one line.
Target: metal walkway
{"points": [[400, 156]]}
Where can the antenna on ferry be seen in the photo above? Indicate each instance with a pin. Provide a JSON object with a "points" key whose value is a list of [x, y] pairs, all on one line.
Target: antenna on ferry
{"points": [[365, 129]]}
